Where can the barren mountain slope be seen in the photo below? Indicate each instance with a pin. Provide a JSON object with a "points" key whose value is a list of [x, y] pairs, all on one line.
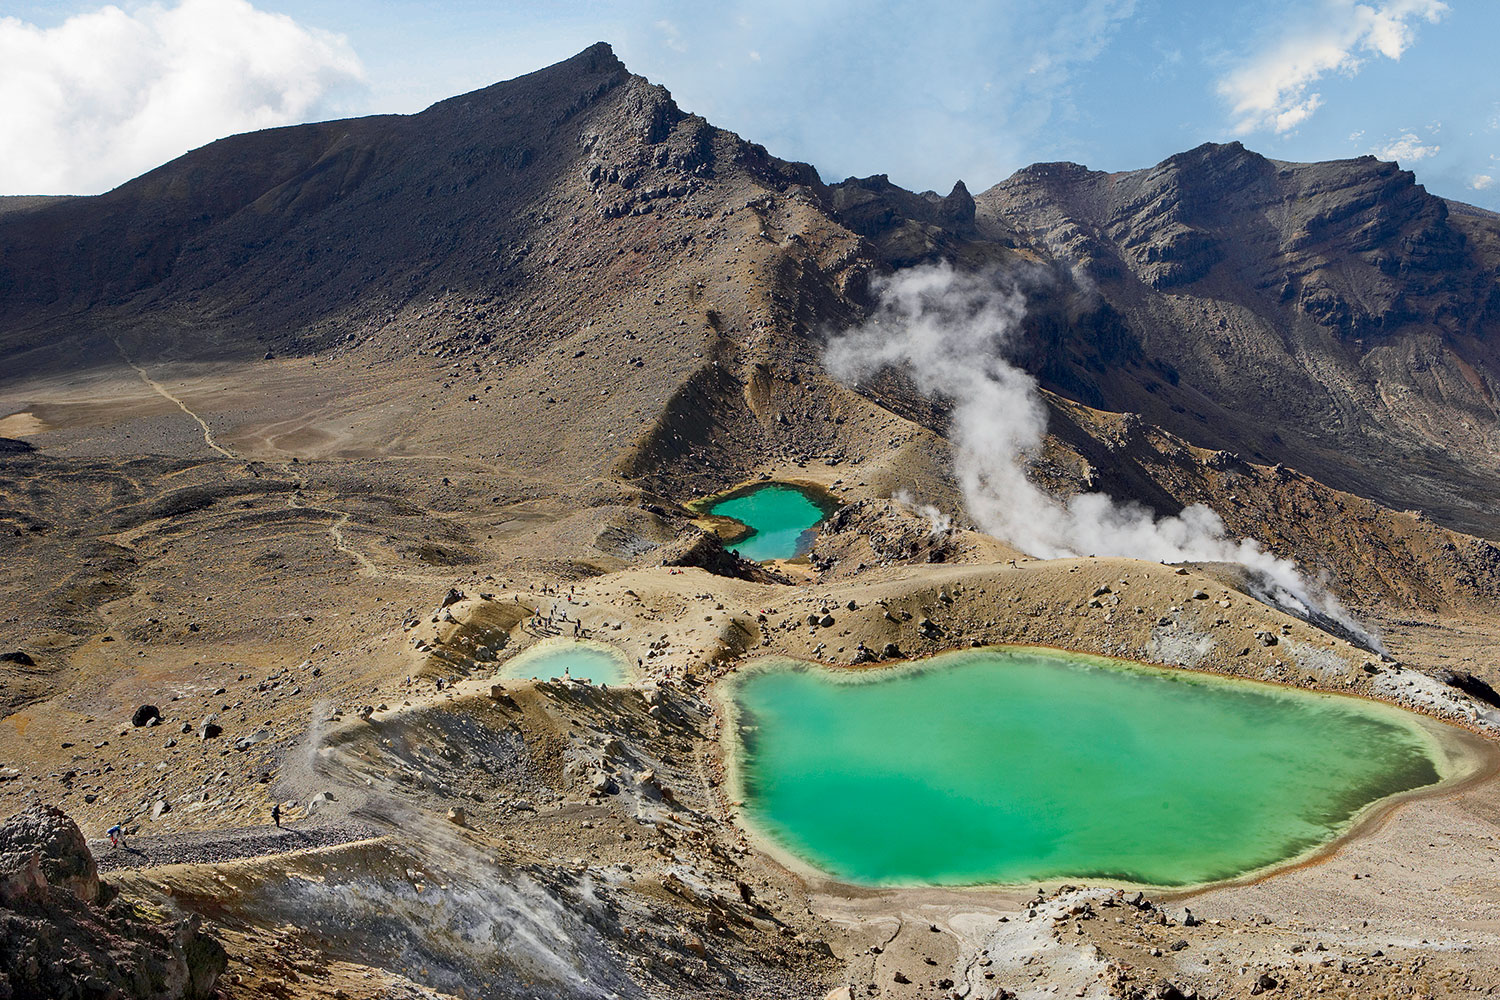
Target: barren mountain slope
{"points": [[1331, 316]]}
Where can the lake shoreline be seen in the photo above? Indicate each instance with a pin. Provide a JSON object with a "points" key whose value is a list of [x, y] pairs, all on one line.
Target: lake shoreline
{"points": [[1460, 759]]}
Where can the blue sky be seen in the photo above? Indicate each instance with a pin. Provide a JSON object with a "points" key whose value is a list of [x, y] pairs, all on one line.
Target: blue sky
{"points": [[926, 92]]}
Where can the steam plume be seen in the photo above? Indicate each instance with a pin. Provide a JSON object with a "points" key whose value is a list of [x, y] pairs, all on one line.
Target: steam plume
{"points": [[949, 332]]}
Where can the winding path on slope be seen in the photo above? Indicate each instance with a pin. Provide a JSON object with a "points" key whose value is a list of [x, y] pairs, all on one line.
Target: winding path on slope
{"points": [[208, 434], [340, 518]]}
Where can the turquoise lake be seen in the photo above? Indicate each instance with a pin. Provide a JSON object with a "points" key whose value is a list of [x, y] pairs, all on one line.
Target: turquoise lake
{"points": [[780, 518], [1006, 766]]}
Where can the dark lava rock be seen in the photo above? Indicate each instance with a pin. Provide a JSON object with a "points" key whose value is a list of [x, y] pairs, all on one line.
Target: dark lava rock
{"points": [[12, 446], [1263, 982], [705, 550], [18, 657], [144, 715], [63, 934], [1475, 687]]}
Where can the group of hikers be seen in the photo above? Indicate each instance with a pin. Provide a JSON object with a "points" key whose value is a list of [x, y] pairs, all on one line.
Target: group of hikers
{"points": [[548, 620]]}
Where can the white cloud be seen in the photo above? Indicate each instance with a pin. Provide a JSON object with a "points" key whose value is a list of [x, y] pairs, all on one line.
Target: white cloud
{"points": [[1406, 148], [1272, 88], [671, 37], [1480, 182], [111, 93]]}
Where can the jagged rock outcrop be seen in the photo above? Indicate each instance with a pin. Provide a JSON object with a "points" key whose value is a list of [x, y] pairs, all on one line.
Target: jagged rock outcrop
{"points": [[882, 533], [1354, 245], [705, 550], [61, 855], [903, 227], [65, 934]]}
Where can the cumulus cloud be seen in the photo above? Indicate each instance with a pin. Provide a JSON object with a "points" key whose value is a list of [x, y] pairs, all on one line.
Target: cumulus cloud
{"points": [[111, 93], [1406, 148], [1272, 89], [949, 332], [1480, 182]]}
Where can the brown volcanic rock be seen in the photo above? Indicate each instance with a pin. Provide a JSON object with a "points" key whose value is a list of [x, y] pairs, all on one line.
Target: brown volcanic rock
{"points": [[574, 229], [904, 228], [1332, 316], [64, 860], [612, 293], [1274, 224], [60, 936], [270, 232]]}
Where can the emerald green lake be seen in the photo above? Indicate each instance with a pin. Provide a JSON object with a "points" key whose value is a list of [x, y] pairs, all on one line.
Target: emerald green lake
{"points": [[780, 518], [577, 660], [1009, 765]]}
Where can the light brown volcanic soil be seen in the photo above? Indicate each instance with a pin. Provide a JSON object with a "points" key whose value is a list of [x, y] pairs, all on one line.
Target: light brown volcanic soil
{"points": [[510, 340]]}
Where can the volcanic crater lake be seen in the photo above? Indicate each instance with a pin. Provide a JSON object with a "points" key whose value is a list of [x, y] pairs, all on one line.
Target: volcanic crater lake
{"points": [[1012, 764], [551, 659], [780, 518]]}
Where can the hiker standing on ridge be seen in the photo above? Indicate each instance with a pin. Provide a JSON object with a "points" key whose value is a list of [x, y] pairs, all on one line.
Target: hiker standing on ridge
{"points": [[276, 814], [116, 836]]}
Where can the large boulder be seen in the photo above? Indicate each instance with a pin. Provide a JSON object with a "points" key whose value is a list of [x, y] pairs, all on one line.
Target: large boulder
{"points": [[62, 934], [63, 856]]}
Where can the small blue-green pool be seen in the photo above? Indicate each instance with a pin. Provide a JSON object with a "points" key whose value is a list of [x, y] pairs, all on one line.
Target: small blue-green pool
{"points": [[781, 519], [578, 660]]}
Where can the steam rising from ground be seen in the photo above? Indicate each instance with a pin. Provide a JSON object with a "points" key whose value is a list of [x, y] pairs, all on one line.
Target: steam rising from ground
{"points": [[949, 332], [433, 899], [938, 523]]}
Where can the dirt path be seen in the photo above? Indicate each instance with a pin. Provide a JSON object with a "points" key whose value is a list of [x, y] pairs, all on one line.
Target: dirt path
{"points": [[208, 434], [366, 565], [224, 845]]}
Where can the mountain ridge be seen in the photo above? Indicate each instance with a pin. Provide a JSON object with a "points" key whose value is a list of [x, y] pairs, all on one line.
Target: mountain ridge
{"points": [[1204, 293]]}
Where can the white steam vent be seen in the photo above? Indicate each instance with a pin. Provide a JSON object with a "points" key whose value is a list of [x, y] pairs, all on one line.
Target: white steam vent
{"points": [[949, 331]]}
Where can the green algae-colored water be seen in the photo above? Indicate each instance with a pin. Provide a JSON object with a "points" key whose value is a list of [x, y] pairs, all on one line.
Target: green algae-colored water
{"points": [[580, 661], [1012, 765], [780, 518]]}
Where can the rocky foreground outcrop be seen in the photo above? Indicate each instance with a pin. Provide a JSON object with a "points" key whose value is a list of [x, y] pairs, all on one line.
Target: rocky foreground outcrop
{"points": [[64, 934]]}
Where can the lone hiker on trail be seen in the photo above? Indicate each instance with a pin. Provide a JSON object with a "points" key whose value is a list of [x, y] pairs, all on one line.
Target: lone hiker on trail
{"points": [[276, 814], [116, 836]]}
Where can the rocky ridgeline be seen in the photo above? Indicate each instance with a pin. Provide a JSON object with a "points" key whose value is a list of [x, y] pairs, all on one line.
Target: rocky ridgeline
{"points": [[63, 933]]}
